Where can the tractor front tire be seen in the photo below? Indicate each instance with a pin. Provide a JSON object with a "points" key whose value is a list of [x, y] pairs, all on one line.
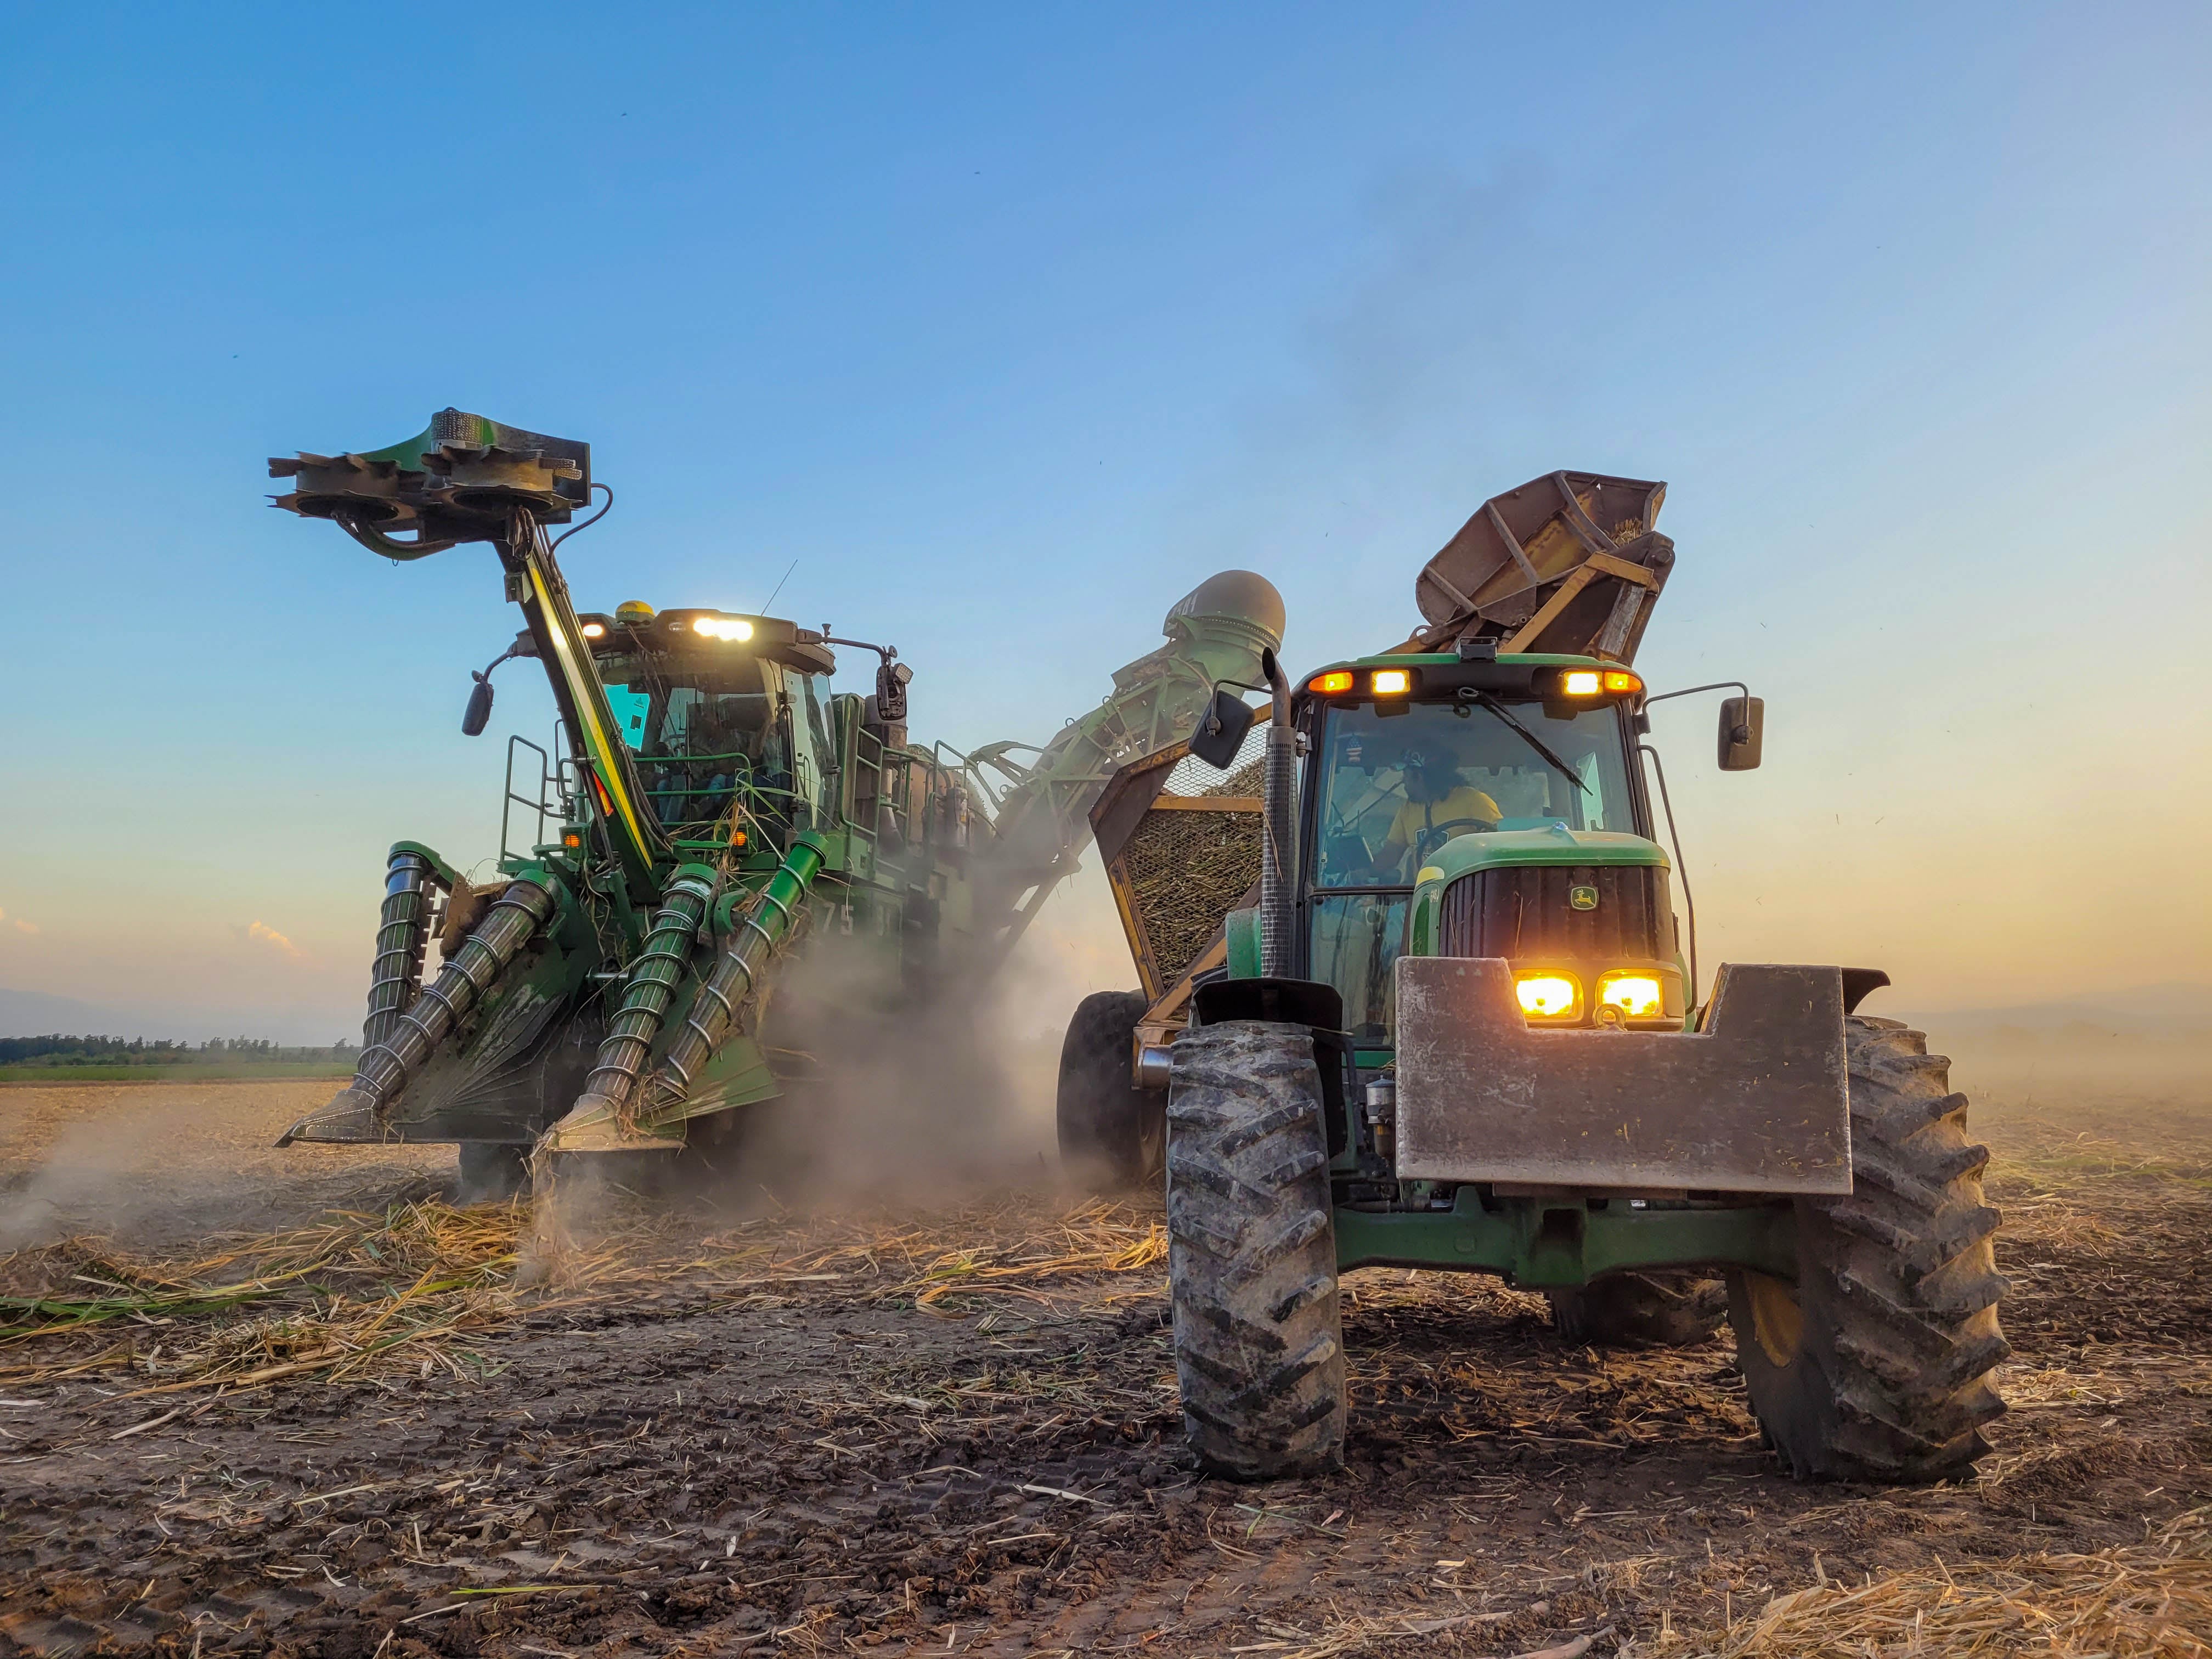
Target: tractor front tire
{"points": [[1113, 1134], [1875, 1364], [1252, 1253], [1657, 1308]]}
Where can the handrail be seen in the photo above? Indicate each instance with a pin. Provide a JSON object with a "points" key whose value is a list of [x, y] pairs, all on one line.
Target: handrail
{"points": [[540, 805]]}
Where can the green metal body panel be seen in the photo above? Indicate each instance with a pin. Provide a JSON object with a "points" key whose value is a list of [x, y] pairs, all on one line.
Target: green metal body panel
{"points": [[1553, 1244], [1523, 849], [1240, 931]]}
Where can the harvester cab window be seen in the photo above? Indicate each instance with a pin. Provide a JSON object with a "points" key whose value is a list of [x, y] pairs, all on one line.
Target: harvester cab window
{"points": [[1396, 786], [632, 709], [810, 743]]}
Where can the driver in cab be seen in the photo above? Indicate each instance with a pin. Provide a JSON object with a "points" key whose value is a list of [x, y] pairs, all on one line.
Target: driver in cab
{"points": [[1439, 804]]}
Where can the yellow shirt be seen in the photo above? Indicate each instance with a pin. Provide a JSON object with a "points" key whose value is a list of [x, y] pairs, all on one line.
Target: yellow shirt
{"points": [[1415, 817]]}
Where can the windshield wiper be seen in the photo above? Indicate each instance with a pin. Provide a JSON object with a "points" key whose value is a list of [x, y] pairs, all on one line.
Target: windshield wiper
{"points": [[1530, 737]]}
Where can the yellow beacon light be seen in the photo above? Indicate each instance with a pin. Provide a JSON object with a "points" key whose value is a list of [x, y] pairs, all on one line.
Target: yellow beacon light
{"points": [[722, 628], [1389, 682], [1337, 679]]}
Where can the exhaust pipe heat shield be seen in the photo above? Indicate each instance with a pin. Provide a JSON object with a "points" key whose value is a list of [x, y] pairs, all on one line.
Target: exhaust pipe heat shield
{"points": [[1756, 1101]]}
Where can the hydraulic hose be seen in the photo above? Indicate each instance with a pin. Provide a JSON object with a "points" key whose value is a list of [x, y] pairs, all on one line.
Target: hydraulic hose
{"points": [[403, 933], [652, 986], [515, 916]]}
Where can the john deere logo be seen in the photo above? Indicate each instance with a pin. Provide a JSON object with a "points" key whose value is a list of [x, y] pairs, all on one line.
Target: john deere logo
{"points": [[1582, 898]]}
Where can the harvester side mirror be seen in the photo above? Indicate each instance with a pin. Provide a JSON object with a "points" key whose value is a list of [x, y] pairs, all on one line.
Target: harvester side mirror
{"points": [[1743, 730], [892, 681], [1221, 729], [478, 715]]}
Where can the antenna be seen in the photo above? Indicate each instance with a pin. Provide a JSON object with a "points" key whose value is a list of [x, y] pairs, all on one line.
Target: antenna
{"points": [[786, 577]]}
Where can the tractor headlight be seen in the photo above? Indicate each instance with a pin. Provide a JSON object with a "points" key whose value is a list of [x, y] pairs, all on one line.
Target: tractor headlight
{"points": [[1548, 995], [1648, 998], [722, 628], [1637, 996]]}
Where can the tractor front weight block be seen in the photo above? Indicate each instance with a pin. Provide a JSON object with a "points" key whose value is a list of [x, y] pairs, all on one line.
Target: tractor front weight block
{"points": [[1756, 1101]]}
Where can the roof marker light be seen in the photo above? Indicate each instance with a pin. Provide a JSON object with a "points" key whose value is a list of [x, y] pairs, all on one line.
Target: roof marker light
{"points": [[1581, 682], [1337, 679], [1390, 682], [722, 628]]}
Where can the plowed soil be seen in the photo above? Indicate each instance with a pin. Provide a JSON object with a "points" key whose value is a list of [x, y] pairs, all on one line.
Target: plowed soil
{"points": [[830, 1463]]}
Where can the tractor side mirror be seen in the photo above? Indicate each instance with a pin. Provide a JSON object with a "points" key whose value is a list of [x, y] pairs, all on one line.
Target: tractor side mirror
{"points": [[1743, 730], [892, 681], [478, 715], [1221, 729]]}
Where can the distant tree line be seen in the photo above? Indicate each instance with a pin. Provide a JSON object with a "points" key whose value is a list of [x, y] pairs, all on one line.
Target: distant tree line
{"points": [[58, 1050]]}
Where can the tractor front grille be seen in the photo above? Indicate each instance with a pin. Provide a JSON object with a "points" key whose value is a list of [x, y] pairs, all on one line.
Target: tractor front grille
{"points": [[1528, 913]]}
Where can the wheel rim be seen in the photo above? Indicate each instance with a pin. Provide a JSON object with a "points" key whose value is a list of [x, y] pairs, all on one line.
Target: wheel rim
{"points": [[1777, 1319], [1152, 1139]]}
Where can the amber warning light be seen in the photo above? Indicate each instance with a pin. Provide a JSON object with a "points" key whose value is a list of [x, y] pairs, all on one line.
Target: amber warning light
{"points": [[1593, 682]]}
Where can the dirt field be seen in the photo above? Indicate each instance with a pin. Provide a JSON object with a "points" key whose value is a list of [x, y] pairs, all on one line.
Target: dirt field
{"points": [[720, 1431]]}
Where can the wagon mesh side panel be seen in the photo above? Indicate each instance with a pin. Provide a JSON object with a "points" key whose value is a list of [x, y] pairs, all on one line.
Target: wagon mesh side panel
{"points": [[1185, 870]]}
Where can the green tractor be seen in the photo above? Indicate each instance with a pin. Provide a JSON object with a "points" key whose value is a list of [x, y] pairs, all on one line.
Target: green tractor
{"points": [[617, 986], [1457, 1025]]}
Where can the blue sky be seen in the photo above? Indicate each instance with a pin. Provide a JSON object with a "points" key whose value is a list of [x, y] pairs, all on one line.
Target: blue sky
{"points": [[1009, 325]]}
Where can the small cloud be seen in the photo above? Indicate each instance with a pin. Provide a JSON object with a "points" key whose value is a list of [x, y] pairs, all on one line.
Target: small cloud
{"points": [[23, 927], [268, 935]]}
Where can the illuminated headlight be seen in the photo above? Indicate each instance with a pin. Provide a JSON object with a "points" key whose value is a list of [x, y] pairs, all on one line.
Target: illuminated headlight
{"points": [[1548, 996], [1639, 996], [595, 630], [722, 628]]}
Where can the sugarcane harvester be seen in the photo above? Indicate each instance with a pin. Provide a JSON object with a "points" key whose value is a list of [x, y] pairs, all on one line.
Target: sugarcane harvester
{"points": [[715, 807], [1457, 1025]]}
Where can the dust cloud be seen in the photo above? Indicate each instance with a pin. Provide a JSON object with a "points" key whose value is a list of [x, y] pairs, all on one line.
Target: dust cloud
{"points": [[937, 1093], [2049, 1067], [161, 1164]]}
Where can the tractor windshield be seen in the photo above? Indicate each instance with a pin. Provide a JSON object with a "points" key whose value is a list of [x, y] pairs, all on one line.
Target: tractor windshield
{"points": [[1397, 782]]}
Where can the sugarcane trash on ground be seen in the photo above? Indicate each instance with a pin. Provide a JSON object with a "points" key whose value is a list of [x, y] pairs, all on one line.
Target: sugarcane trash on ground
{"points": [[349, 1432]]}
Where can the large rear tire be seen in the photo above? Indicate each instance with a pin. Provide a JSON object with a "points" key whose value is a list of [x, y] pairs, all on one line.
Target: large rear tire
{"points": [[1113, 1135], [1252, 1253], [1658, 1308], [1875, 1364]]}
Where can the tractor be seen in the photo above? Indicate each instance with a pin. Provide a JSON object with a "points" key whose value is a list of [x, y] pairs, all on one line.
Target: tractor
{"points": [[1426, 1001], [710, 806]]}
